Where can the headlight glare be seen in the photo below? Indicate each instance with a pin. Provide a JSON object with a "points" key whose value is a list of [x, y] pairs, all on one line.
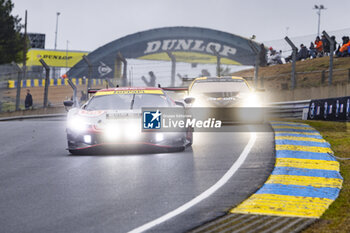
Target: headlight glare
{"points": [[112, 132], [77, 124], [132, 131], [159, 137], [87, 139], [251, 101]]}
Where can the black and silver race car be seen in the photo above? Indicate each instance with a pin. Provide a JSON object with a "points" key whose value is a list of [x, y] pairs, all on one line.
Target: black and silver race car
{"points": [[223, 92], [111, 120], [230, 99]]}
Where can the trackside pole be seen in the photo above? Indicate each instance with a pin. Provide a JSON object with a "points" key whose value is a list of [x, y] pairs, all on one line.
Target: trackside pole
{"points": [[75, 100], [125, 65], [88, 86], [294, 59], [47, 80], [173, 68], [18, 93], [257, 62], [218, 60], [331, 41], [109, 82]]}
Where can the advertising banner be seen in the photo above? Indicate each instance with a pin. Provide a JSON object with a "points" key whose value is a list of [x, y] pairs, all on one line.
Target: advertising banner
{"points": [[55, 58], [186, 44], [332, 109]]}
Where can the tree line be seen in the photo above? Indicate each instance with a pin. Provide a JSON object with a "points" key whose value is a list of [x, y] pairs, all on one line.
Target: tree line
{"points": [[11, 40]]}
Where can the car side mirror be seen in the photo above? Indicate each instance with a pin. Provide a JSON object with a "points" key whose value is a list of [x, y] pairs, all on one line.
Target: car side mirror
{"points": [[68, 103], [189, 100], [179, 103]]}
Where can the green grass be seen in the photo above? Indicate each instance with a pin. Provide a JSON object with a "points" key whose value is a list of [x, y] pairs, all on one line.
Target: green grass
{"points": [[9, 107], [337, 217]]}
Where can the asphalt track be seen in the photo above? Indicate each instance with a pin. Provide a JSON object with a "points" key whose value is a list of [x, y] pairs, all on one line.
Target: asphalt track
{"points": [[44, 189]]}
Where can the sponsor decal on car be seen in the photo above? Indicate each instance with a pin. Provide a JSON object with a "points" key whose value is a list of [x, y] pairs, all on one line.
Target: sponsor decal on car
{"points": [[128, 92]]}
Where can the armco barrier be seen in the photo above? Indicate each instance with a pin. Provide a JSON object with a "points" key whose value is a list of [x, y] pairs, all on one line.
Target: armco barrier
{"points": [[53, 82], [23, 117], [291, 109]]}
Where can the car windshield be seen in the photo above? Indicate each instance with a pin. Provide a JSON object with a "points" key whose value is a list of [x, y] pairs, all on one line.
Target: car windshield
{"points": [[219, 86], [124, 101]]}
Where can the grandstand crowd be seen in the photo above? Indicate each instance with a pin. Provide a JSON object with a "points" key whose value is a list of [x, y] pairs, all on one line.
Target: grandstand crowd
{"points": [[319, 48]]}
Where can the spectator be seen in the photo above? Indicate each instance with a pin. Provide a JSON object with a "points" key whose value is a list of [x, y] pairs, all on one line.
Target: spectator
{"points": [[290, 57], [262, 55], [274, 57], [152, 81], [312, 50], [343, 50], [28, 103], [326, 46], [282, 57], [303, 53], [319, 47]]}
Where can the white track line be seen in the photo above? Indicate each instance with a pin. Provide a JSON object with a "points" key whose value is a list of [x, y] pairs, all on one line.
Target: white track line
{"points": [[206, 193]]}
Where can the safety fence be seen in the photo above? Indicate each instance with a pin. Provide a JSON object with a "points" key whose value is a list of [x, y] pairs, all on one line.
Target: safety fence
{"points": [[58, 90], [306, 79], [288, 48], [290, 109], [53, 82]]}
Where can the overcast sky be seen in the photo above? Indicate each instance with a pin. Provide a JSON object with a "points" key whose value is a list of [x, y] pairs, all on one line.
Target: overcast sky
{"points": [[90, 24]]}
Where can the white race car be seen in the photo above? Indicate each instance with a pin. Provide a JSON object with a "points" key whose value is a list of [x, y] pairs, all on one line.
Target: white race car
{"points": [[111, 120]]}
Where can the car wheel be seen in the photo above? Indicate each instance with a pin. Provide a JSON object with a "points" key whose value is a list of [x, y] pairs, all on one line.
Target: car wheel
{"points": [[189, 138], [74, 152]]}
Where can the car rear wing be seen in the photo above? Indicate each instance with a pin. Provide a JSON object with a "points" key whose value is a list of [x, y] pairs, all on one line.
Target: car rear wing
{"points": [[187, 79], [176, 93], [180, 89], [93, 91]]}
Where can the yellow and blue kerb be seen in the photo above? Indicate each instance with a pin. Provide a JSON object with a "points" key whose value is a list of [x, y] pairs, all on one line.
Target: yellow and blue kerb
{"points": [[305, 180], [53, 82]]}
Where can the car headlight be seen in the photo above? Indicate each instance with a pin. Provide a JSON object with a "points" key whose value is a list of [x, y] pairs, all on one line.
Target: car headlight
{"points": [[77, 124], [112, 132], [87, 139], [132, 130], [198, 101], [124, 130], [159, 137], [251, 101]]}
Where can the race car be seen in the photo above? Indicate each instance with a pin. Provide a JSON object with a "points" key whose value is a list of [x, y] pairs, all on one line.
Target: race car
{"points": [[223, 92], [111, 120], [231, 98]]}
